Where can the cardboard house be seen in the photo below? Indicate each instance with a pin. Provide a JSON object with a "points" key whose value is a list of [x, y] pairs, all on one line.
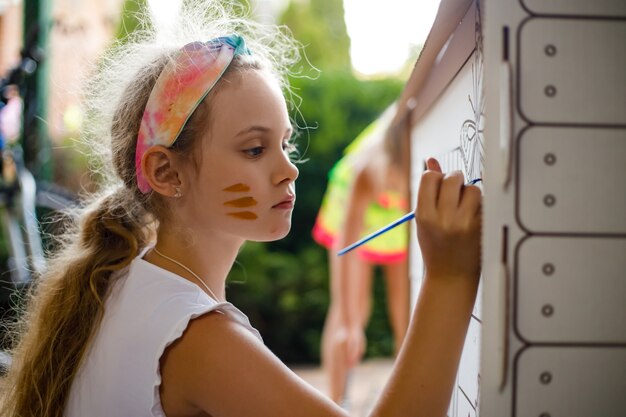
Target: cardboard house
{"points": [[530, 96]]}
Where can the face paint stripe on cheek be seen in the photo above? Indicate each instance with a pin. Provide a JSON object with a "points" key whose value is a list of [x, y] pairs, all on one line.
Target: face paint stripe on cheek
{"points": [[237, 188], [244, 215], [241, 202]]}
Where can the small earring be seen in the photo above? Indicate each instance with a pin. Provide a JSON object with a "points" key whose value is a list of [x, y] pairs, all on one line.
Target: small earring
{"points": [[178, 194]]}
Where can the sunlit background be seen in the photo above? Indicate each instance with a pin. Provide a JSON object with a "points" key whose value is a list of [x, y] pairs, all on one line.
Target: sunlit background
{"points": [[383, 34]]}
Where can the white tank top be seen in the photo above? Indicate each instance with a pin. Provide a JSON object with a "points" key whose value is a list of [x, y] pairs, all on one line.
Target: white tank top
{"points": [[147, 309]]}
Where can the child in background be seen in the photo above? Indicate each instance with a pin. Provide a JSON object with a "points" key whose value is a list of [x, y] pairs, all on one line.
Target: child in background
{"points": [[131, 317], [367, 189]]}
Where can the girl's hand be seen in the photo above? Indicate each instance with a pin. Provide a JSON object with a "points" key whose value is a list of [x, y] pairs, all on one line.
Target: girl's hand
{"points": [[448, 218]]}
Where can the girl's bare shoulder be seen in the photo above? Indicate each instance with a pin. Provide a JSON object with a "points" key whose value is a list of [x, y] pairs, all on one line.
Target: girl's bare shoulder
{"points": [[220, 367]]}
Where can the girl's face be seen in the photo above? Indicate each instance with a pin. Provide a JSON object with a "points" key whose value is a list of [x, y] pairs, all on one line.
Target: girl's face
{"points": [[245, 183]]}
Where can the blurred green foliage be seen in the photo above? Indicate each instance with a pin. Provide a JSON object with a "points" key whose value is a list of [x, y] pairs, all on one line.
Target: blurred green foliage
{"points": [[321, 27], [129, 21]]}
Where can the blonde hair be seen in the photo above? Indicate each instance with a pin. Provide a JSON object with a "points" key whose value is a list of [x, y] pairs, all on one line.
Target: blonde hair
{"points": [[66, 305]]}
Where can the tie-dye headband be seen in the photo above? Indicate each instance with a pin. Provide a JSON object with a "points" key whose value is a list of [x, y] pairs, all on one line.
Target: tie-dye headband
{"points": [[182, 85]]}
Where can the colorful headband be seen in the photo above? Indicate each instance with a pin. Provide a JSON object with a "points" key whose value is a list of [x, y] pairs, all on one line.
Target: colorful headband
{"points": [[182, 85]]}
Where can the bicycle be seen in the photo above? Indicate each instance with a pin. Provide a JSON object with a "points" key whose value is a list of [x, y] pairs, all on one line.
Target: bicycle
{"points": [[24, 201]]}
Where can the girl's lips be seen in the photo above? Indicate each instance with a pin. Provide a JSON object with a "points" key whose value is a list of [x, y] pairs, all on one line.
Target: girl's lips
{"points": [[285, 204]]}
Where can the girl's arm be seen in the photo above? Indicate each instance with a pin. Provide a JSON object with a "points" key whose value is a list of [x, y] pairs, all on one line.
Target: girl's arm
{"points": [[220, 368], [448, 228]]}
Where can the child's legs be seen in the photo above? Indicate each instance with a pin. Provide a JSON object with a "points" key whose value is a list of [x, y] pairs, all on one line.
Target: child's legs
{"points": [[366, 273], [398, 289], [333, 354], [334, 336]]}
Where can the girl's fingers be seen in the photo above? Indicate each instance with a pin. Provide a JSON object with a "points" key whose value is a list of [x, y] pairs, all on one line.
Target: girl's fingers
{"points": [[471, 199], [428, 193], [433, 165], [450, 194], [430, 184]]}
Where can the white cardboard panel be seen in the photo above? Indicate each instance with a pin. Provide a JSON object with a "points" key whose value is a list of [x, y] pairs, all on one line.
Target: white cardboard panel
{"points": [[572, 290], [577, 7], [583, 58], [463, 408], [469, 368], [452, 161], [451, 131], [478, 305], [580, 80], [572, 180], [570, 382]]}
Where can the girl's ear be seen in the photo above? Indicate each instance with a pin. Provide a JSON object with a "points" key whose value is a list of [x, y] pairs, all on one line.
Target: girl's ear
{"points": [[159, 168]]}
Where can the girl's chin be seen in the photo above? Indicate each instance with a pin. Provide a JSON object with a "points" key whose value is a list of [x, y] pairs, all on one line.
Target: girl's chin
{"points": [[273, 235]]}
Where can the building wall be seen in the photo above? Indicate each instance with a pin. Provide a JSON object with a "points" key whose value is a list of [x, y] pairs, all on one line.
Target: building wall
{"points": [[81, 30], [10, 33]]}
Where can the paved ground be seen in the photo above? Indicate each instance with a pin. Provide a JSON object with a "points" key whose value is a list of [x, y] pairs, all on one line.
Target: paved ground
{"points": [[365, 383]]}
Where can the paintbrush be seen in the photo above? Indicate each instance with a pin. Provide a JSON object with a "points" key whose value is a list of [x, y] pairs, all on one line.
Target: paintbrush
{"points": [[403, 219]]}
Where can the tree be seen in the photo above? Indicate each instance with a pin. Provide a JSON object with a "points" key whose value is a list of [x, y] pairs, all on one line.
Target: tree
{"points": [[321, 27]]}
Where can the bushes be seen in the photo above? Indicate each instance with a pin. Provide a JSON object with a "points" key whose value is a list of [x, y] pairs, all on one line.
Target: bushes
{"points": [[285, 296]]}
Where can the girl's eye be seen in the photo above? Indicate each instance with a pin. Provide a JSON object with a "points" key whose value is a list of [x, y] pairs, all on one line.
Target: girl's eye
{"points": [[256, 151]]}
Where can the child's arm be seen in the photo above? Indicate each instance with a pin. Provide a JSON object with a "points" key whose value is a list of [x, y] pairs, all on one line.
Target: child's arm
{"points": [[448, 226], [220, 368]]}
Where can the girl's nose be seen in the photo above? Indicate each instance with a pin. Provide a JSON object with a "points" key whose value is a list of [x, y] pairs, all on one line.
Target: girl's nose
{"points": [[286, 170]]}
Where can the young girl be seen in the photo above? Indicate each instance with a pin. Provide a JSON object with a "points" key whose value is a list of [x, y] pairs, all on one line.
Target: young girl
{"points": [[367, 189], [131, 318]]}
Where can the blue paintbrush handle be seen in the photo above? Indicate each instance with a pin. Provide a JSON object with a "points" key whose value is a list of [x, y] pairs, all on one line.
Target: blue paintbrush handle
{"points": [[403, 219], [390, 226]]}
